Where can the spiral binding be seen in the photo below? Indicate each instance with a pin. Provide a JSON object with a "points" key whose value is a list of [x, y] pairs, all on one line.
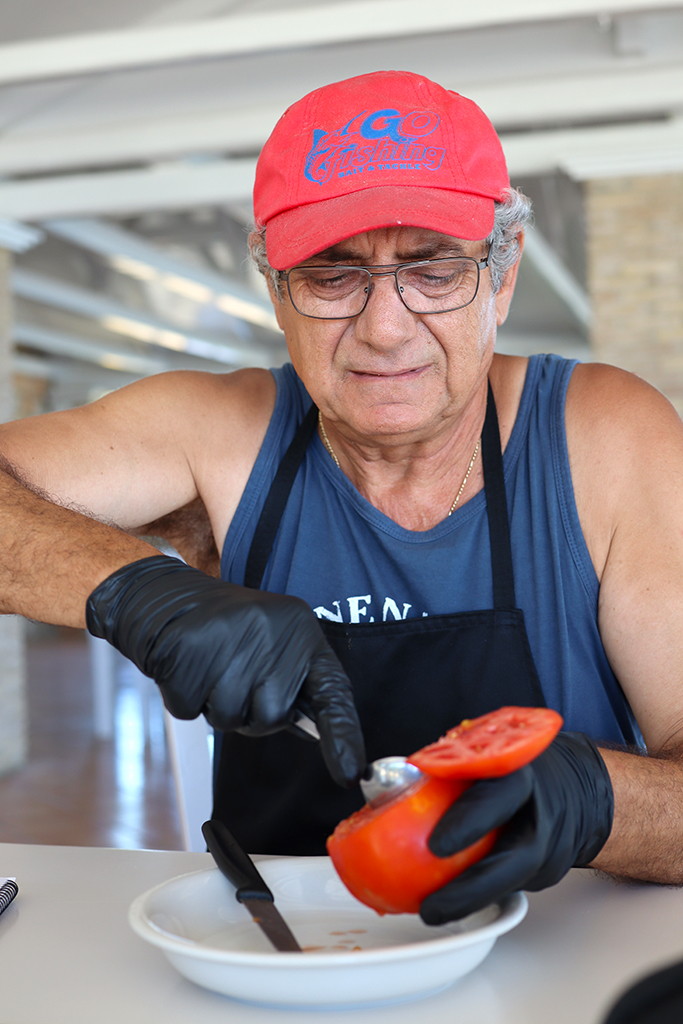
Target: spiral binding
{"points": [[7, 893]]}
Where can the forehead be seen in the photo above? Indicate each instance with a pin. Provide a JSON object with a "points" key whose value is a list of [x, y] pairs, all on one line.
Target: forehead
{"points": [[397, 244]]}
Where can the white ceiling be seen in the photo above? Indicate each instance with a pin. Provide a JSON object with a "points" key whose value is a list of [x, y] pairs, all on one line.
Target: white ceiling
{"points": [[149, 115]]}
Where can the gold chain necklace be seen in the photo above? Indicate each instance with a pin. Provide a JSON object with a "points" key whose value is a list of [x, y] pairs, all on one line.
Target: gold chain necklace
{"points": [[469, 470], [326, 442]]}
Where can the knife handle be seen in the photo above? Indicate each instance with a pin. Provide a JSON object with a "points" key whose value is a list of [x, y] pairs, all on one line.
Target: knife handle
{"points": [[234, 863]]}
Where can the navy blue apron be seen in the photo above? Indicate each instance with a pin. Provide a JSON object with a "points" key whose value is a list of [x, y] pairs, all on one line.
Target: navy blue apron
{"points": [[412, 680]]}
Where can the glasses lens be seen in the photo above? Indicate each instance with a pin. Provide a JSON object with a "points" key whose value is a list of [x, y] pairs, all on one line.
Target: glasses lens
{"points": [[329, 293], [440, 285]]}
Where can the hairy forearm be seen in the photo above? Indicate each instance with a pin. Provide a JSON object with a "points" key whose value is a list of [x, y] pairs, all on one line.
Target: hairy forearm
{"points": [[52, 558], [646, 841]]}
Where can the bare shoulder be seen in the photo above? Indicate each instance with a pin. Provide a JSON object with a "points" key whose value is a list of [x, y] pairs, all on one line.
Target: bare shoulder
{"points": [[215, 423], [599, 394], [241, 401], [625, 444], [613, 414], [183, 402], [230, 418]]}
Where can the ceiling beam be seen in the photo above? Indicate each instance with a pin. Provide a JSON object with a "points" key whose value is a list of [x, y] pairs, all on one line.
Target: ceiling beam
{"points": [[553, 99], [543, 99], [644, 148], [131, 323], [131, 139], [111, 357], [108, 355], [555, 272], [72, 375], [281, 29], [19, 237], [600, 152], [130, 253], [161, 187]]}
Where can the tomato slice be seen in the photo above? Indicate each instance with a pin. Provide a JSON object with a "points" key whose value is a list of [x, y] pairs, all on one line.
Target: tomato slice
{"points": [[491, 745]]}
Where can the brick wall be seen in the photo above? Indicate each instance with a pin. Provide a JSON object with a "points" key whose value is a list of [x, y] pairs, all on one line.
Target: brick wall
{"points": [[634, 237], [12, 670]]}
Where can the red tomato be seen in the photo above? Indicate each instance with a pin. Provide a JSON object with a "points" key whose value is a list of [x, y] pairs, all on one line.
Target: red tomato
{"points": [[381, 854], [491, 745]]}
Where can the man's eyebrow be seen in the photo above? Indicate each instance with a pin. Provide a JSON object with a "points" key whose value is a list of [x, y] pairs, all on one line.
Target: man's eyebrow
{"points": [[431, 250], [428, 250], [337, 254]]}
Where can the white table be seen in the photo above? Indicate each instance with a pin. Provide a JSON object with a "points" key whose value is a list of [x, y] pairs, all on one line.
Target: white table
{"points": [[68, 956]]}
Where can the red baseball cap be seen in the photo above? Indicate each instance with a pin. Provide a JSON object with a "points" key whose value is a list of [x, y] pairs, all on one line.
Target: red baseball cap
{"points": [[375, 151]]}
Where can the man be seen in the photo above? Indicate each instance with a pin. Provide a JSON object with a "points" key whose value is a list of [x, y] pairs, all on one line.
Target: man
{"points": [[367, 483]]}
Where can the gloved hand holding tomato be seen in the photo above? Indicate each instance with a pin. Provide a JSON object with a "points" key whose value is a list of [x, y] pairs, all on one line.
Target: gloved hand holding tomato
{"points": [[507, 804]]}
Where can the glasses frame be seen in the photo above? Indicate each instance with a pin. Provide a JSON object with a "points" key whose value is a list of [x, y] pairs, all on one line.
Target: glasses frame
{"points": [[387, 270]]}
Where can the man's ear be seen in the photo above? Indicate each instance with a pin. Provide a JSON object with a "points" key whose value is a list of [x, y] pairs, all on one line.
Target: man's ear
{"points": [[277, 302], [506, 290]]}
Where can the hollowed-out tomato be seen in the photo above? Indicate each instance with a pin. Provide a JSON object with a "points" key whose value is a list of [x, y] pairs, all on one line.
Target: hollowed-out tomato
{"points": [[381, 853]]}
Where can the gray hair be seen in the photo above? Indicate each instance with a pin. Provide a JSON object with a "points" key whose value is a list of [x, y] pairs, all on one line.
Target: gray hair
{"points": [[511, 216]]}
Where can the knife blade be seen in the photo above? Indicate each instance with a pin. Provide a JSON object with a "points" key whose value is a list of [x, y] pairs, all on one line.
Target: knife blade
{"points": [[252, 891], [307, 725]]}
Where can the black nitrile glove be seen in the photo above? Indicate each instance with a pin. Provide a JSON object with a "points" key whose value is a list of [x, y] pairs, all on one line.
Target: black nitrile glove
{"points": [[558, 811], [242, 657]]}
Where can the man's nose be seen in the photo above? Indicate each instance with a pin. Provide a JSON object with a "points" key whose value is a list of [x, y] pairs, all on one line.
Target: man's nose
{"points": [[385, 321]]}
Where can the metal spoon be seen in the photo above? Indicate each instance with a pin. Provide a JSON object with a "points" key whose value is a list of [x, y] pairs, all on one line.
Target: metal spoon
{"points": [[388, 776]]}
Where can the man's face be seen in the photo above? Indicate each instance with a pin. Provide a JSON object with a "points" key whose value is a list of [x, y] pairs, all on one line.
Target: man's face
{"points": [[390, 372]]}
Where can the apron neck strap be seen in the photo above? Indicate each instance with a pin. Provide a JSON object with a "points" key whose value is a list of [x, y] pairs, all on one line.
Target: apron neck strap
{"points": [[269, 520], [496, 508]]}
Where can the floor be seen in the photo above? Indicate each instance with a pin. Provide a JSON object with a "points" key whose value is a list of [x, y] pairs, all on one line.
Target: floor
{"points": [[76, 790]]}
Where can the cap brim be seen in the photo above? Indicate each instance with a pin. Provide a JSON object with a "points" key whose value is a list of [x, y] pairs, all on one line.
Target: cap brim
{"points": [[295, 235]]}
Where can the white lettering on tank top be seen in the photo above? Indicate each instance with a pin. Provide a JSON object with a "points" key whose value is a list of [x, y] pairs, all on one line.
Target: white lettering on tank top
{"points": [[390, 607], [360, 605], [355, 610], [323, 613]]}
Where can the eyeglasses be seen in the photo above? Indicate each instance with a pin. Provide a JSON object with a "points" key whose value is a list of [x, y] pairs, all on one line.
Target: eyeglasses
{"points": [[426, 286]]}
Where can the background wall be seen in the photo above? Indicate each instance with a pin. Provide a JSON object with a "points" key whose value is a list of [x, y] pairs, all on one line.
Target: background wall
{"points": [[635, 260]]}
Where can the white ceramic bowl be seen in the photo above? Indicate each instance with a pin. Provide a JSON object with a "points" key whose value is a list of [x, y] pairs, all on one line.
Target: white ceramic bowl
{"points": [[354, 957]]}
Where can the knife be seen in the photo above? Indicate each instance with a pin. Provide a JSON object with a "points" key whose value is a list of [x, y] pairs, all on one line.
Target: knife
{"points": [[306, 725], [252, 891]]}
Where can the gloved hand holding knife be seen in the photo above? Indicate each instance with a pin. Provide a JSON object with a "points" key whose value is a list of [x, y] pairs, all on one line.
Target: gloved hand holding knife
{"points": [[247, 659]]}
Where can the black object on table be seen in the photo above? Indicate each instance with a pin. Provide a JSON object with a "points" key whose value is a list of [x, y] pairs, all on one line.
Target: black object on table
{"points": [[655, 999], [252, 891]]}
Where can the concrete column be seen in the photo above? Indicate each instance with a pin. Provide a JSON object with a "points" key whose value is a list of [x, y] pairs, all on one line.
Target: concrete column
{"points": [[634, 228], [13, 732]]}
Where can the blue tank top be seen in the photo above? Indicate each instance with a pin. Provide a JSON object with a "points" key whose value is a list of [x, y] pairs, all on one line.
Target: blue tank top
{"points": [[353, 564]]}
